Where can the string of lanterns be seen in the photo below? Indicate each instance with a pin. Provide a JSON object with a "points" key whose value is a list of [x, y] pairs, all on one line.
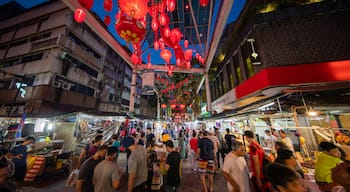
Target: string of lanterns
{"points": [[131, 26]]}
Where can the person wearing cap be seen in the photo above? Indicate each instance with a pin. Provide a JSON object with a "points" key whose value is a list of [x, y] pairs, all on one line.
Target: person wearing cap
{"points": [[19, 157], [172, 166], [256, 155], [235, 169], [137, 165], [86, 172]]}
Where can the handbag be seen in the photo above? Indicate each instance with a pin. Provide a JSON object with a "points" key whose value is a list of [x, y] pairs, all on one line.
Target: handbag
{"points": [[157, 182]]}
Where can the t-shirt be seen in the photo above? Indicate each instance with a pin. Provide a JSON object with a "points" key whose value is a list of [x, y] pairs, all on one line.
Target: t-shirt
{"points": [[206, 149], [104, 174], [86, 173], [137, 163], [194, 144], [91, 150], [255, 149], [116, 144], [20, 149], [229, 139], [173, 174], [237, 168], [289, 143]]}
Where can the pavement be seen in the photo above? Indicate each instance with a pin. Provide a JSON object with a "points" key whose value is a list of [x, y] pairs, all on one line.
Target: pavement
{"points": [[56, 183]]}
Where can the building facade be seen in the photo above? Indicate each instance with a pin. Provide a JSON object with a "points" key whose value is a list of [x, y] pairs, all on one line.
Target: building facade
{"points": [[269, 53], [52, 65]]}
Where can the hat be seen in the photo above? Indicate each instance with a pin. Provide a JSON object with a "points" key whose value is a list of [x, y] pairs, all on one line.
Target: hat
{"points": [[127, 141]]}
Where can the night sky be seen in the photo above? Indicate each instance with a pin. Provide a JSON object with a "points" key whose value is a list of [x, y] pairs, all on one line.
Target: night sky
{"points": [[98, 8]]}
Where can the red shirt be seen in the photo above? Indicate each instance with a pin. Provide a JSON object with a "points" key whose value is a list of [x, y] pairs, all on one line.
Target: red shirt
{"points": [[194, 144], [255, 149]]}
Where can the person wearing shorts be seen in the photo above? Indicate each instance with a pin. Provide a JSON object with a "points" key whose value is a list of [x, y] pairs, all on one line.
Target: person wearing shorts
{"points": [[206, 163]]}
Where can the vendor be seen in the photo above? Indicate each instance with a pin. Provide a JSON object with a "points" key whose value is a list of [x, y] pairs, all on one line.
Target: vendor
{"points": [[19, 157], [327, 160]]}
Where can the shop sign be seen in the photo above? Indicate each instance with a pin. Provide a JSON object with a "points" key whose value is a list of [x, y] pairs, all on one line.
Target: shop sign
{"points": [[63, 83]]}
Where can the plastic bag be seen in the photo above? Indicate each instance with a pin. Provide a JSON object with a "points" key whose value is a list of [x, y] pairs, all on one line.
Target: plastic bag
{"points": [[73, 177]]}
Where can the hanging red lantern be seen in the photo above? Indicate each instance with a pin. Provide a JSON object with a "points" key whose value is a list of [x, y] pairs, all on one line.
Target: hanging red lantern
{"points": [[171, 5], [188, 65], [87, 4], [203, 2], [163, 19], [154, 25], [134, 8], [186, 44], [108, 5], [135, 59], [178, 62], [173, 106], [182, 106], [149, 65], [130, 29], [166, 31], [197, 56], [156, 45], [175, 36], [163, 105], [166, 55], [188, 55], [79, 15], [107, 20]]}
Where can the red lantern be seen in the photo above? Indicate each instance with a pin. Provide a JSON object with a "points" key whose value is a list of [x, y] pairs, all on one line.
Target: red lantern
{"points": [[171, 5], [182, 106], [166, 55], [188, 55], [130, 29], [79, 15], [156, 45], [154, 25], [203, 2], [87, 4], [134, 8], [175, 35], [188, 64], [149, 65], [178, 62], [163, 106], [107, 20], [197, 56], [166, 31], [163, 19], [173, 106], [108, 5], [186, 44]]}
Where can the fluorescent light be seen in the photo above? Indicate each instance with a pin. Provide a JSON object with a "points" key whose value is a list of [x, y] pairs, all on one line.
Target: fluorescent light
{"points": [[267, 105]]}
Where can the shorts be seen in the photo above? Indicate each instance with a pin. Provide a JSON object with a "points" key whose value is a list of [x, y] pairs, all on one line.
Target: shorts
{"points": [[206, 166]]}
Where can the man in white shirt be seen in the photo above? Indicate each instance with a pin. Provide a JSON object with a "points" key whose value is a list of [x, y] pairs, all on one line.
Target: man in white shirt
{"points": [[235, 169], [286, 140], [269, 140]]}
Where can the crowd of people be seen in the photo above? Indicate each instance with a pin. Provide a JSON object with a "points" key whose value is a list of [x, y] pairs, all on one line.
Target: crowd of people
{"points": [[206, 150], [155, 163]]}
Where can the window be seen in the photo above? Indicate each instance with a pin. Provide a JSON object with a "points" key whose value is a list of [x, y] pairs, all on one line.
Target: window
{"points": [[18, 43], [84, 46], [34, 57]]}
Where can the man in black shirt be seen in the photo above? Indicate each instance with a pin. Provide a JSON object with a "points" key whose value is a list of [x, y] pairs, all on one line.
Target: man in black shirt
{"points": [[173, 167]]}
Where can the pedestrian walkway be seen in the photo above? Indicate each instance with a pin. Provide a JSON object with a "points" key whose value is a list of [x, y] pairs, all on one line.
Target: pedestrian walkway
{"points": [[189, 182]]}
